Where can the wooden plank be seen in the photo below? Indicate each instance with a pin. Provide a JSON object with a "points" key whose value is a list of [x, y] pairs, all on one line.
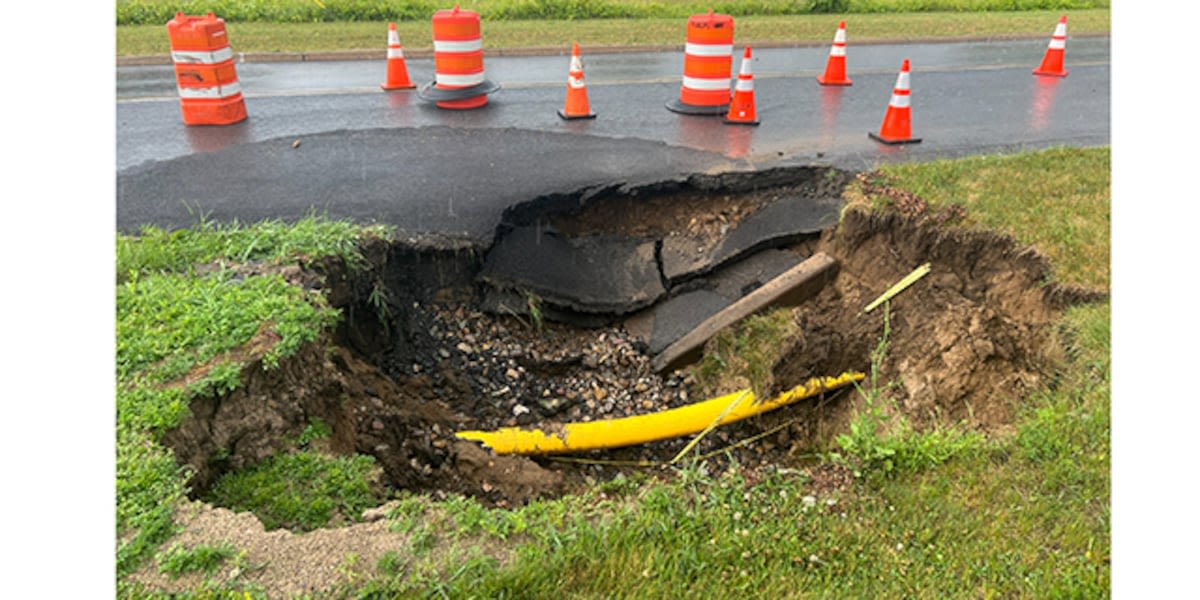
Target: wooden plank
{"points": [[793, 287]]}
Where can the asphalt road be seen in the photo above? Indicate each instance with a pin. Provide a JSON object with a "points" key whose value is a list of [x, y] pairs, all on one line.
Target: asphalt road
{"points": [[388, 156]]}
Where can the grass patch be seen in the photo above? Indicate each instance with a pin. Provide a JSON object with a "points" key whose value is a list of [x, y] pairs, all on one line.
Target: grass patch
{"points": [[882, 443], [177, 560], [300, 491], [1056, 200], [141, 12], [183, 333], [151, 39], [743, 356]]}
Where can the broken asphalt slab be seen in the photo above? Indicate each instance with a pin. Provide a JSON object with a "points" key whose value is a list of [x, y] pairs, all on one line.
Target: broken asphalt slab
{"points": [[590, 274], [661, 325], [781, 222]]}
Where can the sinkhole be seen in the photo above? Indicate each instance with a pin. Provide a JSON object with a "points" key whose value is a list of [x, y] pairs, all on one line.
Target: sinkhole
{"points": [[560, 317]]}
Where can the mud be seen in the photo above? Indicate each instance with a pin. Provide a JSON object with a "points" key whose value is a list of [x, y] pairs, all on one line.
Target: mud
{"points": [[402, 374]]}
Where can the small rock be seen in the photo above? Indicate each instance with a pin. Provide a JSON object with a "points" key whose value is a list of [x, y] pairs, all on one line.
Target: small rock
{"points": [[296, 144], [465, 348], [444, 353], [512, 374], [519, 410], [377, 425], [600, 393]]}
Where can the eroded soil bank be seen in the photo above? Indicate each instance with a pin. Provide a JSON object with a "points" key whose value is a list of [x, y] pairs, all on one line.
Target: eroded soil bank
{"points": [[965, 344]]}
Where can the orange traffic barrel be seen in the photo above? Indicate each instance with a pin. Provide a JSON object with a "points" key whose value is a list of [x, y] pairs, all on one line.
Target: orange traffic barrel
{"points": [[707, 66], [459, 81], [209, 93]]}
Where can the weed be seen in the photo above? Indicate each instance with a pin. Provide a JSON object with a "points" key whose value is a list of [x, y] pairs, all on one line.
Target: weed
{"points": [[177, 560], [884, 444], [317, 429], [534, 303], [380, 301], [745, 355], [390, 564], [347, 568]]}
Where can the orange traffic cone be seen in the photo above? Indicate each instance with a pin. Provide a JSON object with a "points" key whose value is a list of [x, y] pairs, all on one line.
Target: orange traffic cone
{"points": [[397, 73], [576, 106], [835, 69], [897, 122], [1052, 64], [741, 109]]}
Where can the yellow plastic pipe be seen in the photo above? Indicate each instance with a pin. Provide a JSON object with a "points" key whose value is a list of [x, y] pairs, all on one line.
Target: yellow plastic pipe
{"points": [[628, 431]]}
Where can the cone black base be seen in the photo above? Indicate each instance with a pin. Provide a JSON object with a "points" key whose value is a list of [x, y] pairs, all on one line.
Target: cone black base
{"points": [[432, 93], [893, 142], [680, 107], [728, 122], [567, 117]]}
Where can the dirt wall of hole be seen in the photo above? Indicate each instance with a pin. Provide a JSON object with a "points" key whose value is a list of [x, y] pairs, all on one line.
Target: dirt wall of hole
{"points": [[406, 426], [966, 343]]}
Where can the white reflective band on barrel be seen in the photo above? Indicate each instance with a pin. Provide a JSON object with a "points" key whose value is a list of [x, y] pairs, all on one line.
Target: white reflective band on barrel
{"points": [[697, 83], [708, 49], [837, 50], [900, 101], [1058, 43], [902, 81], [395, 52], [461, 46], [214, 92], [203, 58], [459, 80]]}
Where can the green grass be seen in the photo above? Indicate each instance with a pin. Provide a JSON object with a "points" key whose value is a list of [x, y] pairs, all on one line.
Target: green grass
{"points": [[135, 12], [178, 560], [151, 39], [180, 334], [300, 491], [1056, 200]]}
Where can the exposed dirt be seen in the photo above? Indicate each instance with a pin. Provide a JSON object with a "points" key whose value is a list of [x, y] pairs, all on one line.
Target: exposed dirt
{"points": [[966, 344]]}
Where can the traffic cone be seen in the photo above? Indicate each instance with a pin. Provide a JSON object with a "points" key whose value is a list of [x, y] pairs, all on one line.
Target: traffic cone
{"points": [[576, 106], [1052, 64], [835, 69], [741, 109], [897, 122], [397, 73]]}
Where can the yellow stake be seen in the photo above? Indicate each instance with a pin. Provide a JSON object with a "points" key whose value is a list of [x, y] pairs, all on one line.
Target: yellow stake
{"points": [[910, 279], [667, 424]]}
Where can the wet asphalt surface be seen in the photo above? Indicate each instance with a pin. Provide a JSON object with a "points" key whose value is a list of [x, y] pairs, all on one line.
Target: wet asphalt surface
{"points": [[390, 157]]}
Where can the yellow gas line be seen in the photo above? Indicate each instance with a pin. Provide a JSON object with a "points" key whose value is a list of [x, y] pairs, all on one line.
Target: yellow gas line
{"points": [[667, 424]]}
